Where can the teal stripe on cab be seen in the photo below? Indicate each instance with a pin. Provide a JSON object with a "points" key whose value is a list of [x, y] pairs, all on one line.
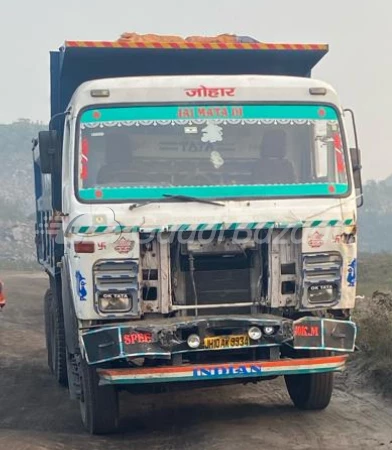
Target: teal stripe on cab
{"points": [[215, 226], [152, 113], [201, 227], [219, 192], [184, 227], [316, 223], [269, 225]]}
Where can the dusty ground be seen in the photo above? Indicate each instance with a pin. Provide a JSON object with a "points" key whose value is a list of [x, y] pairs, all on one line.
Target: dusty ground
{"points": [[36, 414]]}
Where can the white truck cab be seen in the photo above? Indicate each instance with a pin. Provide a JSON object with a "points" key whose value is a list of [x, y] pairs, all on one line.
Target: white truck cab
{"points": [[197, 221]]}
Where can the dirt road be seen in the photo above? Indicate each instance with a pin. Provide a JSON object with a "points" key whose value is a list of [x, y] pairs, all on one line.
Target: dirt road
{"points": [[36, 414]]}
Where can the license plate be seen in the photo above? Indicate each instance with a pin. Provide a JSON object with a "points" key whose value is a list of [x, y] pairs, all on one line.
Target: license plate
{"points": [[231, 341]]}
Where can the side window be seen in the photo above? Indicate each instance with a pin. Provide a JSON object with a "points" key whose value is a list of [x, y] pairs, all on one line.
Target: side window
{"points": [[301, 141], [338, 162], [321, 160], [328, 156], [93, 143], [66, 166]]}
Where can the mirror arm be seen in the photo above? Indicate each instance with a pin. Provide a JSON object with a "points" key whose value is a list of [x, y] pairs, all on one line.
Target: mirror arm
{"points": [[58, 115]]}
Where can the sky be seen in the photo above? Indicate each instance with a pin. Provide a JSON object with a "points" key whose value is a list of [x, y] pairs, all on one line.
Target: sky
{"points": [[359, 64]]}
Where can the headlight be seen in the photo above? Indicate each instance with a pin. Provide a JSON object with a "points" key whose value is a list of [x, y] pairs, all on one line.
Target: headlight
{"points": [[115, 303], [322, 293], [194, 341], [254, 333]]}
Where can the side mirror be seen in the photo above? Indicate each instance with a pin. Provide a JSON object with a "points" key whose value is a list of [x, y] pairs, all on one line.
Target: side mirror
{"points": [[355, 154], [48, 144]]}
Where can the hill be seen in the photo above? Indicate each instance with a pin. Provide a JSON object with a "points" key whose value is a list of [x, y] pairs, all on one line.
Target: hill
{"points": [[16, 194]]}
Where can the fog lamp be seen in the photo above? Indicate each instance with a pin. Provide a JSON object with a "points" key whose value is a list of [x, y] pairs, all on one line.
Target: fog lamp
{"points": [[269, 331], [254, 333], [193, 341], [115, 303]]}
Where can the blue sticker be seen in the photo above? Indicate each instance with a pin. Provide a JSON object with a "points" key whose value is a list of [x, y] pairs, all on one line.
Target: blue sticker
{"points": [[352, 273], [81, 280], [230, 371]]}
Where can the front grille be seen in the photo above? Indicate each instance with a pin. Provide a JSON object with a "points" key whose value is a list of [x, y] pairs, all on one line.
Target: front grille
{"points": [[220, 287], [322, 269]]}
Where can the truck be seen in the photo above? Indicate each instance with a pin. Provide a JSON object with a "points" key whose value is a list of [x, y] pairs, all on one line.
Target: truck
{"points": [[196, 215]]}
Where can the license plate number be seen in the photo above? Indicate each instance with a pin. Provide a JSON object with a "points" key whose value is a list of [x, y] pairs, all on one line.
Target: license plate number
{"points": [[232, 341]]}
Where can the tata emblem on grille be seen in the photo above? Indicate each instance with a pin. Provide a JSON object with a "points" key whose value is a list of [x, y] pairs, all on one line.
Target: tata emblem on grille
{"points": [[124, 246], [315, 240]]}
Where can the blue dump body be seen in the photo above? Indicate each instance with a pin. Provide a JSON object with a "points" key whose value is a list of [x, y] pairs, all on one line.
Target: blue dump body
{"points": [[71, 66]]}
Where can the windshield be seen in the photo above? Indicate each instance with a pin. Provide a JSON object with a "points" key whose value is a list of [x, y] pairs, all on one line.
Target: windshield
{"points": [[233, 151]]}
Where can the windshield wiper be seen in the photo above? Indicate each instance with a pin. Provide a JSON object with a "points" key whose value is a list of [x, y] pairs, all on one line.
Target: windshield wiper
{"points": [[138, 205], [184, 198], [188, 198]]}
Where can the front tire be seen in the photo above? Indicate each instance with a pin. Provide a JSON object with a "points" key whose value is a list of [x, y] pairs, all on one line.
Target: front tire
{"points": [[311, 391], [55, 338], [98, 404]]}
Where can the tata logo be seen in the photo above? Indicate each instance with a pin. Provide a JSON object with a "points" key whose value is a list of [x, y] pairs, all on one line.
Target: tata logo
{"points": [[227, 371]]}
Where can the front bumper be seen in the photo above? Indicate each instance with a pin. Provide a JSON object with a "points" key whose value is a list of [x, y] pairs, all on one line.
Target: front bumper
{"points": [[164, 338], [210, 372]]}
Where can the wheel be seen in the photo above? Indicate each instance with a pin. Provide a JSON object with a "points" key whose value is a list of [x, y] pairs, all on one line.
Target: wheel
{"points": [[311, 391], [98, 404], [56, 338]]}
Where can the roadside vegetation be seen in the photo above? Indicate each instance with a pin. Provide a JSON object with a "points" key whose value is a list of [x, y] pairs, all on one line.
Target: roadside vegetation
{"points": [[374, 273], [374, 317]]}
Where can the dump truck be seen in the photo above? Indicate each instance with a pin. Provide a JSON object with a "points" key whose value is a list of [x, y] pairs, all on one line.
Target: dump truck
{"points": [[196, 211]]}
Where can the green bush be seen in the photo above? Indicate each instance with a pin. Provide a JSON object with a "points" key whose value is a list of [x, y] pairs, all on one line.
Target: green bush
{"points": [[374, 273]]}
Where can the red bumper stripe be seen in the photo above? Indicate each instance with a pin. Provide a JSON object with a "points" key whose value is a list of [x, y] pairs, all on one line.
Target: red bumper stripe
{"points": [[218, 371]]}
